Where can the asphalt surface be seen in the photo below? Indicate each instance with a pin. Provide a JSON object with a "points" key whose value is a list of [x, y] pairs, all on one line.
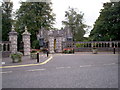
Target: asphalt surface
{"points": [[66, 71]]}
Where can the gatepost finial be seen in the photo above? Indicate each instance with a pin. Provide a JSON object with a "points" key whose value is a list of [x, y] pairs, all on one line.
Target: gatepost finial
{"points": [[25, 28], [13, 28]]}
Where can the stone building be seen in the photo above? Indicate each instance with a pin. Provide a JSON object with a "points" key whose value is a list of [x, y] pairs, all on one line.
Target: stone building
{"points": [[54, 39]]}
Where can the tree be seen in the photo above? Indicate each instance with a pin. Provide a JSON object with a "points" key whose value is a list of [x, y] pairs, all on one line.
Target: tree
{"points": [[107, 26], [6, 19], [34, 15], [74, 20]]}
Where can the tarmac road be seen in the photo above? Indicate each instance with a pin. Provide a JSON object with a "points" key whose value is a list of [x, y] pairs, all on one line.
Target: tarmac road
{"points": [[66, 71]]}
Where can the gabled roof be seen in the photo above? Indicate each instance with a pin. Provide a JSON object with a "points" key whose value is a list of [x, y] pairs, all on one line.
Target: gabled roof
{"points": [[55, 33]]}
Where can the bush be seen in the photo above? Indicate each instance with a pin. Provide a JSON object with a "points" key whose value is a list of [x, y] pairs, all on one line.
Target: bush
{"points": [[68, 50], [79, 45], [16, 57], [33, 51], [65, 51]]}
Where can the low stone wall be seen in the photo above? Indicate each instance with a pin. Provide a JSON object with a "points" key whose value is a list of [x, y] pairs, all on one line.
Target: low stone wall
{"points": [[5, 48], [102, 46], [88, 49], [5, 54]]}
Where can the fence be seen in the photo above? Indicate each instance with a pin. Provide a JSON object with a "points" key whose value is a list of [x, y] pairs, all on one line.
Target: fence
{"points": [[5, 48], [87, 46]]}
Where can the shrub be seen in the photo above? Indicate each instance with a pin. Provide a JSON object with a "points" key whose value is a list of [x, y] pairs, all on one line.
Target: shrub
{"points": [[68, 50], [79, 45], [64, 51], [16, 57]]}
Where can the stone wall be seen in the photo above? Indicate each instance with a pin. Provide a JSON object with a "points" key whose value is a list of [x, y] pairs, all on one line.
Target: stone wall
{"points": [[5, 48], [88, 49], [102, 46], [10, 46]]}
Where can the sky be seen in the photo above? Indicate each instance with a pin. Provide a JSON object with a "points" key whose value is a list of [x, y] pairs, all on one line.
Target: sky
{"points": [[90, 8]]}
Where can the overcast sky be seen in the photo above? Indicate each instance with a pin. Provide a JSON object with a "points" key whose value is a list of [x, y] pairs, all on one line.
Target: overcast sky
{"points": [[90, 8]]}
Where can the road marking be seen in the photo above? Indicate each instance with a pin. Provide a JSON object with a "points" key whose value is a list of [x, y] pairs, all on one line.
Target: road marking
{"points": [[67, 67], [28, 64], [110, 64], [86, 66], [46, 60], [59, 67], [96, 65], [7, 72], [62, 67], [37, 70]]}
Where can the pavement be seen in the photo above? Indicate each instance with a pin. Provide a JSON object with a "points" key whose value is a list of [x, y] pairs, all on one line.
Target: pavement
{"points": [[25, 60]]}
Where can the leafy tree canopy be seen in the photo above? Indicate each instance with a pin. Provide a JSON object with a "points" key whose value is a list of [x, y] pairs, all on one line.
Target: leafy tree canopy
{"points": [[107, 26], [34, 15], [6, 19], [75, 22]]}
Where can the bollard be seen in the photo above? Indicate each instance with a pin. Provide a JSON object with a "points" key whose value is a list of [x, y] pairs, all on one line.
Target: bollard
{"points": [[114, 50], [47, 53], [37, 57]]}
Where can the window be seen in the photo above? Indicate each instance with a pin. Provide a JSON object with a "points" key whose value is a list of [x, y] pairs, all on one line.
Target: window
{"points": [[69, 39]]}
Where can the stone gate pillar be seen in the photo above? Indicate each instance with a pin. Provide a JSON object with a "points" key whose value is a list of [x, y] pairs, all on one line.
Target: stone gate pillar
{"points": [[59, 44], [51, 44], [26, 41], [13, 39]]}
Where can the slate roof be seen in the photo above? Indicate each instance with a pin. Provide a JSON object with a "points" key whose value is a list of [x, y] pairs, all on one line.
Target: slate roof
{"points": [[55, 33]]}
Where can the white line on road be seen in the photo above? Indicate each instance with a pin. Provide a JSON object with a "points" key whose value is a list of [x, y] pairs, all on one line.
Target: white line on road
{"points": [[37, 70], [86, 66], [59, 67], [67, 67], [110, 64], [62, 67], [96, 65], [7, 72]]}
